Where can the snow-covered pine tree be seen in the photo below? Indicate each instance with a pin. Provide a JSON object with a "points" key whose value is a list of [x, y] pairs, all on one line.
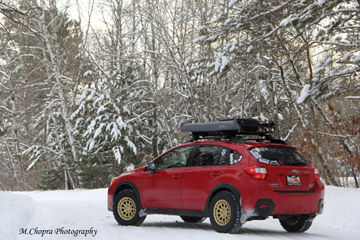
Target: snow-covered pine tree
{"points": [[104, 127]]}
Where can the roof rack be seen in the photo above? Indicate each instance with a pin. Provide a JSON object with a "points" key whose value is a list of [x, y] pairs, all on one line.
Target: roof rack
{"points": [[232, 130]]}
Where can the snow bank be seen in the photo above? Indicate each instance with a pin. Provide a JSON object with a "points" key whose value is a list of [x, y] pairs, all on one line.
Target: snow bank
{"points": [[15, 212], [342, 208]]}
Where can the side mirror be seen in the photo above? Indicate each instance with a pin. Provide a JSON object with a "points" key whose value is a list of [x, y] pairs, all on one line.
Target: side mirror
{"points": [[151, 167]]}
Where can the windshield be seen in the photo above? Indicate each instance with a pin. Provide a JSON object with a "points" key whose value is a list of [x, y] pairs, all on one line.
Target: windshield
{"points": [[279, 156]]}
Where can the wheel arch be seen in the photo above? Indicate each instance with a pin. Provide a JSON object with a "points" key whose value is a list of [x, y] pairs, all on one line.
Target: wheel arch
{"points": [[222, 187], [127, 185]]}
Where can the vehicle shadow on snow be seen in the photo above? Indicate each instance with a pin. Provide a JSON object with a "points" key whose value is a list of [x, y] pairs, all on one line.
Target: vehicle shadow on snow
{"points": [[244, 230], [178, 224], [267, 232]]}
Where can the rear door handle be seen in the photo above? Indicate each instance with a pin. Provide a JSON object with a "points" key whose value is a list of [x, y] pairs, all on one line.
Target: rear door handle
{"points": [[216, 174], [176, 176]]}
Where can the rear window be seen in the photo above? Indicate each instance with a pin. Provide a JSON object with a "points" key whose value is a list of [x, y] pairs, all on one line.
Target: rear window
{"points": [[279, 156]]}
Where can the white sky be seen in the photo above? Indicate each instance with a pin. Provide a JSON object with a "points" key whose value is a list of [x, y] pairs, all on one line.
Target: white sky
{"points": [[83, 6]]}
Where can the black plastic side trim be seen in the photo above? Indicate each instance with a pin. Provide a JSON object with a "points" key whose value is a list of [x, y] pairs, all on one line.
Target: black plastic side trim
{"points": [[295, 192], [125, 185], [179, 212]]}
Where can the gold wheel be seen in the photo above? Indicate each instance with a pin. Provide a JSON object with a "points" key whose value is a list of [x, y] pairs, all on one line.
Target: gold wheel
{"points": [[222, 212], [126, 208]]}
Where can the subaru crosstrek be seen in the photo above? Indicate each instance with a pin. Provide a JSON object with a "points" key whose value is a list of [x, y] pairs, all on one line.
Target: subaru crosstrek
{"points": [[225, 176]]}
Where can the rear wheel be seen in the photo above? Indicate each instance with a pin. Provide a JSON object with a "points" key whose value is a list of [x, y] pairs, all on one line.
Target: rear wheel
{"points": [[126, 208], [192, 219], [225, 212], [296, 223]]}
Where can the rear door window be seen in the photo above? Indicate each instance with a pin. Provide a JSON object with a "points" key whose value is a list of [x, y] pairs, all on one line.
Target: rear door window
{"points": [[210, 155], [279, 156]]}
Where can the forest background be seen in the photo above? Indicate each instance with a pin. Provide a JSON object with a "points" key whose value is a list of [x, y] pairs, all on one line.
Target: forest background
{"points": [[82, 101]]}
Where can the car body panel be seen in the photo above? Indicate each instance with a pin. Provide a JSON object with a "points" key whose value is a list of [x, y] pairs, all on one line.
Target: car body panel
{"points": [[196, 184], [162, 189]]}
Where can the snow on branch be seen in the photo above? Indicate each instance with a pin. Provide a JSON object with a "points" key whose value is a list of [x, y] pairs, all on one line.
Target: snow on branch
{"points": [[347, 10], [232, 3], [290, 132], [353, 97], [6, 109], [305, 92], [35, 153], [6, 8], [275, 9], [334, 135], [221, 63]]}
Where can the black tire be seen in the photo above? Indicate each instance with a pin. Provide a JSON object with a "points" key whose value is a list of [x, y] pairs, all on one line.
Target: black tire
{"points": [[296, 223], [188, 219], [225, 212], [127, 208]]}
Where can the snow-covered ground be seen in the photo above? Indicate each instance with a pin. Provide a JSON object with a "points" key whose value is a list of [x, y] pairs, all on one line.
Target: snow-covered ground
{"points": [[60, 211]]}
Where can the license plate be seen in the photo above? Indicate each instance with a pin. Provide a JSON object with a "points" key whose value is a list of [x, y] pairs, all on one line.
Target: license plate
{"points": [[293, 180]]}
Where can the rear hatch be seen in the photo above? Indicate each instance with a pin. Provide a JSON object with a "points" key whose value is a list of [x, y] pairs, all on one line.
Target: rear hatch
{"points": [[287, 169]]}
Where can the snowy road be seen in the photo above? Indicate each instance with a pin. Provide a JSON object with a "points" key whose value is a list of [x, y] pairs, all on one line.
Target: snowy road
{"points": [[29, 215]]}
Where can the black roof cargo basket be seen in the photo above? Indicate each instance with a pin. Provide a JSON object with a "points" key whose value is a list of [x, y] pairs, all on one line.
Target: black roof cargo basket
{"points": [[232, 129]]}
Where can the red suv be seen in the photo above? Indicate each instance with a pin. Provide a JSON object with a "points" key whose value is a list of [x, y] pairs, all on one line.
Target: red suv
{"points": [[232, 171]]}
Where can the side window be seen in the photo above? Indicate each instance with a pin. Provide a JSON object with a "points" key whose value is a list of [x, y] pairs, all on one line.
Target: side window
{"points": [[210, 156], [174, 159], [234, 157]]}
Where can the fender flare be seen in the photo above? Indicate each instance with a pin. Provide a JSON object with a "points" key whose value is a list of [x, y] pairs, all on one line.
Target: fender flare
{"points": [[127, 185], [222, 187]]}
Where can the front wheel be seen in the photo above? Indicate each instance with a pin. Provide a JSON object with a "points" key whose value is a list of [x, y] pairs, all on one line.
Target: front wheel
{"points": [[126, 208], [225, 212], [296, 223]]}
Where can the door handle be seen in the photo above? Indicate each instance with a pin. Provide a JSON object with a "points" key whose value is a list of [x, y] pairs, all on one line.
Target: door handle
{"points": [[176, 176], [216, 174]]}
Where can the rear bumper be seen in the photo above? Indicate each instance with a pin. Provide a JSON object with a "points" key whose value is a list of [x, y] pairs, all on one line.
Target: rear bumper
{"points": [[270, 203], [267, 207]]}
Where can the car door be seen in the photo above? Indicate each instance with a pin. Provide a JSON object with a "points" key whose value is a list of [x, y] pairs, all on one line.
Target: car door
{"points": [[161, 189], [206, 165]]}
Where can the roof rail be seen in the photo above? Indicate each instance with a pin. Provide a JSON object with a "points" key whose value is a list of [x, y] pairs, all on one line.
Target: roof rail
{"points": [[232, 130]]}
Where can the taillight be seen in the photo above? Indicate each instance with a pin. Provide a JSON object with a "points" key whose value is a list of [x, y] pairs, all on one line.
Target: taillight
{"points": [[256, 172], [317, 174]]}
